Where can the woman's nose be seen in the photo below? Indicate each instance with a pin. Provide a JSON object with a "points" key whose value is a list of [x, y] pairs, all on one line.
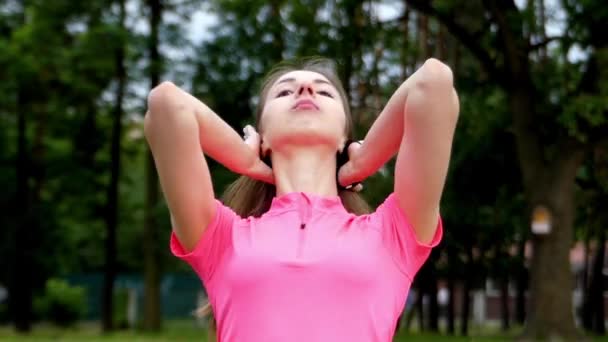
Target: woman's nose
{"points": [[306, 88]]}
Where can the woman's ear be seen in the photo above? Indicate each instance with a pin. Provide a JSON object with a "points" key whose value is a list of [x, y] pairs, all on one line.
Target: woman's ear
{"points": [[264, 147], [265, 153]]}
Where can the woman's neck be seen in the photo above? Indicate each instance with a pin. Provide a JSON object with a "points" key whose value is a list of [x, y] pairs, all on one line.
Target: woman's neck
{"points": [[305, 169]]}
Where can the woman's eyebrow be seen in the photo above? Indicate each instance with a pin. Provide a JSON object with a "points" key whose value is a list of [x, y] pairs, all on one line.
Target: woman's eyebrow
{"points": [[292, 79]]}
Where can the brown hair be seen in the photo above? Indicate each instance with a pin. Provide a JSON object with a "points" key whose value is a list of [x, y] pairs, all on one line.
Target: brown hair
{"points": [[249, 197]]}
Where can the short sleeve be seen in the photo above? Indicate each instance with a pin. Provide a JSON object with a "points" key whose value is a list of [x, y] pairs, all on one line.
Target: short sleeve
{"points": [[216, 240], [399, 237]]}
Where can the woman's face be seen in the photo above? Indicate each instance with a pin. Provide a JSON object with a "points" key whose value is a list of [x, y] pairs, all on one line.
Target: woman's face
{"points": [[303, 107]]}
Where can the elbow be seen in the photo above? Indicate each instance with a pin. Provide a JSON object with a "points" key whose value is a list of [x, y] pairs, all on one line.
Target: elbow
{"points": [[164, 101], [162, 97], [433, 95], [435, 77]]}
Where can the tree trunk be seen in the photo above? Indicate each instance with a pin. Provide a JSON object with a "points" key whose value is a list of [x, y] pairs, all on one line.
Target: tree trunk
{"points": [[276, 28], [410, 314], [551, 253], [152, 309], [427, 284], [522, 281], [20, 279], [466, 293], [405, 46], [552, 186], [351, 34], [586, 310], [432, 292], [585, 271], [504, 302], [423, 38], [542, 22], [21, 292], [355, 28], [420, 309], [451, 290], [376, 87], [595, 296], [433, 307], [442, 43], [111, 214], [451, 302]]}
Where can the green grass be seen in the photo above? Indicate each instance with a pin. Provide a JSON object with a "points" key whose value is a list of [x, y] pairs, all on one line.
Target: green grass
{"points": [[189, 331], [172, 331]]}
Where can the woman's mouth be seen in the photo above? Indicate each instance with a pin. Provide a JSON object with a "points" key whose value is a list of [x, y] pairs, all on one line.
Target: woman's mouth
{"points": [[305, 104]]}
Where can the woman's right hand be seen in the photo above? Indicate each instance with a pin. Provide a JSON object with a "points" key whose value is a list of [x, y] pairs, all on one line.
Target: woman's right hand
{"points": [[259, 170]]}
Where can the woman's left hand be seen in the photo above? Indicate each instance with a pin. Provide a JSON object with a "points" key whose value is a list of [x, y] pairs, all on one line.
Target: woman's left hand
{"points": [[352, 172]]}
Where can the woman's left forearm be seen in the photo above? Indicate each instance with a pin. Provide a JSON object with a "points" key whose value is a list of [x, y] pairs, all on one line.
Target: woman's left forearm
{"points": [[383, 139]]}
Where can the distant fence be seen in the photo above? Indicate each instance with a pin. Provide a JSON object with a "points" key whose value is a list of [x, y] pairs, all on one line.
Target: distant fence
{"points": [[179, 293]]}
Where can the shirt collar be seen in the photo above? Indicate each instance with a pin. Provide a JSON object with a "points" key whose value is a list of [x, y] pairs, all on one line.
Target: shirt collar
{"points": [[300, 199]]}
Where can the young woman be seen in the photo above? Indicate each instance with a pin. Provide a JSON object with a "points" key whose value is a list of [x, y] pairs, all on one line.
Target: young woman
{"points": [[291, 254]]}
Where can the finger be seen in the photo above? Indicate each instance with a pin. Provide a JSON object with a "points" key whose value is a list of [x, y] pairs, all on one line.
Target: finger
{"points": [[264, 173], [250, 141], [249, 131], [344, 175], [353, 147], [252, 138]]}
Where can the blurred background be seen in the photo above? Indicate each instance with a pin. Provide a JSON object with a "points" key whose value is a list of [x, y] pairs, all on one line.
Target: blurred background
{"points": [[85, 232]]}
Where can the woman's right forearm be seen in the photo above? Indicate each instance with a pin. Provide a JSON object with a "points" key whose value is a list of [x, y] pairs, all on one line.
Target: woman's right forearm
{"points": [[221, 142], [217, 139]]}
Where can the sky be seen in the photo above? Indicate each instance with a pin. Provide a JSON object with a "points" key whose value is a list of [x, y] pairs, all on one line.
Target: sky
{"points": [[204, 19], [200, 28]]}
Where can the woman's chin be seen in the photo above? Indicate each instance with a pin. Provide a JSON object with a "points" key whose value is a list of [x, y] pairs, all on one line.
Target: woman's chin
{"points": [[301, 136]]}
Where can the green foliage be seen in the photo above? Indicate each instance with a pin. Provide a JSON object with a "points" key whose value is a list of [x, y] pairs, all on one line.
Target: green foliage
{"points": [[482, 206], [585, 112], [60, 55], [61, 304]]}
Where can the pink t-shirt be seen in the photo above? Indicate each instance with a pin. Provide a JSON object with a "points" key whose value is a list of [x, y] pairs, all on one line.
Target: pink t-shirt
{"points": [[307, 270]]}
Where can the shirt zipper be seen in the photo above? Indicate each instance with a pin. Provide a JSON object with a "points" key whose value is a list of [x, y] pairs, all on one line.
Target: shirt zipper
{"points": [[304, 206]]}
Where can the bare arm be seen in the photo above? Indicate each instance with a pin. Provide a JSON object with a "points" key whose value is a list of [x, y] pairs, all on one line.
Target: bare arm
{"points": [[179, 129], [418, 122]]}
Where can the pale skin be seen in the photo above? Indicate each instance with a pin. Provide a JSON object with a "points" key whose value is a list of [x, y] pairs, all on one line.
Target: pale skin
{"points": [[303, 142]]}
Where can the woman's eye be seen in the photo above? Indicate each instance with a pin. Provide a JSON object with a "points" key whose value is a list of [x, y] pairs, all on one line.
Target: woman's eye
{"points": [[326, 93], [284, 93]]}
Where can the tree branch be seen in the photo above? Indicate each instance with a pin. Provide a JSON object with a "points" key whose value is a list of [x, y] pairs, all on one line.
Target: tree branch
{"points": [[465, 37], [543, 43]]}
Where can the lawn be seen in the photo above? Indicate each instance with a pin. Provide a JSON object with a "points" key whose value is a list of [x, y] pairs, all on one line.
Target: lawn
{"points": [[185, 331]]}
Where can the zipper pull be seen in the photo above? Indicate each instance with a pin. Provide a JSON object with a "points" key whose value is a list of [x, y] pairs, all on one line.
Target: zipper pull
{"points": [[302, 225]]}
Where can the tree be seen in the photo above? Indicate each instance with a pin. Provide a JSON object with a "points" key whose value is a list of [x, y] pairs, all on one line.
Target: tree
{"points": [[594, 189], [111, 213], [40, 91], [549, 156], [152, 309]]}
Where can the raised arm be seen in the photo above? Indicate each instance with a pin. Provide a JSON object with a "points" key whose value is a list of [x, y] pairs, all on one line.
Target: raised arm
{"points": [[179, 129], [418, 123], [431, 113]]}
